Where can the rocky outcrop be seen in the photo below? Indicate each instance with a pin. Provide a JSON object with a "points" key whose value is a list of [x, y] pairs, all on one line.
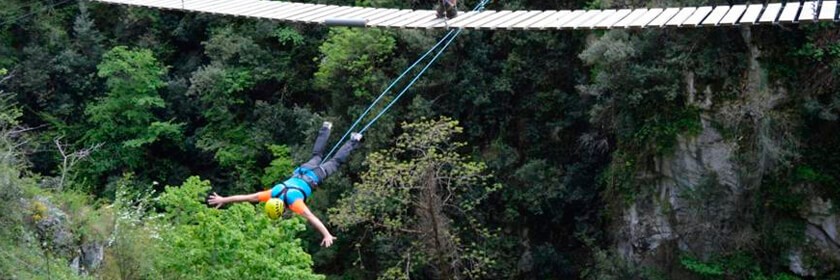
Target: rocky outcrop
{"points": [[91, 257], [53, 227], [823, 224], [697, 191], [821, 237]]}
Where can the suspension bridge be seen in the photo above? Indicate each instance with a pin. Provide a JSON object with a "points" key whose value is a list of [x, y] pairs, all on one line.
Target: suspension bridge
{"points": [[704, 16]]}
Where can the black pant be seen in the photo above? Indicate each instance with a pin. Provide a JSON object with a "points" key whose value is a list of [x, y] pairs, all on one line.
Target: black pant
{"points": [[331, 166]]}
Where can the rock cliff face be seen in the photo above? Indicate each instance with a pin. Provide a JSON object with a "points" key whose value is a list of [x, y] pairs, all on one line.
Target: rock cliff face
{"points": [[822, 226], [703, 190], [697, 197], [822, 241]]}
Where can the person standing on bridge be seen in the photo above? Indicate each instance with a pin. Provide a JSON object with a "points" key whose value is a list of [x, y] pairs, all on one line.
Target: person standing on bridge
{"points": [[293, 192], [449, 7]]}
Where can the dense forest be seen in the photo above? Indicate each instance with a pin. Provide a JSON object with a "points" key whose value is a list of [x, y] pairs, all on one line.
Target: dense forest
{"points": [[677, 153]]}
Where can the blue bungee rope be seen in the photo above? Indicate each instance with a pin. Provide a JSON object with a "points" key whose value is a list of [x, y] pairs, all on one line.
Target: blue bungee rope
{"points": [[393, 83], [422, 71], [448, 38]]}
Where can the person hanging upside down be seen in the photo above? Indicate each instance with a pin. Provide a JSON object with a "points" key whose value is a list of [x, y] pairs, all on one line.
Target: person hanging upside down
{"points": [[294, 191], [449, 7]]}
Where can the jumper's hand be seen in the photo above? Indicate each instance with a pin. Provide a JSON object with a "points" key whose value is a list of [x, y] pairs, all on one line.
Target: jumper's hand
{"points": [[327, 241], [216, 200]]}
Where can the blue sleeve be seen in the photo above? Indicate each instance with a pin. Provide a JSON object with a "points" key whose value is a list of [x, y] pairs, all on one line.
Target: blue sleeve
{"points": [[275, 191], [292, 195]]}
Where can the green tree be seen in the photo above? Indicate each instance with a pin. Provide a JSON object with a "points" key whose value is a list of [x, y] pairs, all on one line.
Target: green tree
{"points": [[352, 60], [281, 166], [229, 95], [11, 158], [221, 92], [22, 258], [125, 119], [238, 242], [421, 196]]}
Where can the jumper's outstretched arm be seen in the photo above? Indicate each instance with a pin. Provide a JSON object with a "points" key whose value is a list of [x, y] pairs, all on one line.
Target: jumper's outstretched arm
{"points": [[327, 237], [298, 207], [218, 200]]}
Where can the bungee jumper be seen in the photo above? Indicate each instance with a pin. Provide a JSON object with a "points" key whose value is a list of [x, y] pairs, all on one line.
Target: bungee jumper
{"points": [[293, 192]]}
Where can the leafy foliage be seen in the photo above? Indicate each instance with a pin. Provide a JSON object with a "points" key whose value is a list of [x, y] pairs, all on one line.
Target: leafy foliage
{"points": [[418, 194], [735, 266], [567, 122], [353, 59], [236, 242], [125, 119], [279, 167]]}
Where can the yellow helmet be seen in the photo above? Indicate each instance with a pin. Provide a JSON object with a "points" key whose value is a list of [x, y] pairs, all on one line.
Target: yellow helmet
{"points": [[274, 208]]}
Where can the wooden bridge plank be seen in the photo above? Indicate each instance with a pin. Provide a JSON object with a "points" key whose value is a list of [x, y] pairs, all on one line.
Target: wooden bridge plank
{"points": [[715, 16], [664, 17], [229, 10], [550, 22], [337, 14], [626, 21], [387, 18], [528, 22], [770, 13], [566, 16], [732, 16], [475, 18], [161, 4], [646, 18], [517, 15], [422, 22], [680, 17], [613, 19], [590, 23], [379, 14], [212, 8], [360, 14], [575, 22], [226, 7], [789, 13], [314, 12], [809, 12], [139, 3], [284, 14], [752, 14], [407, 18], [828, 10], [201, 5], [271, 8], [697, 16], [260, 5], [479, 23], [371, 12]]}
